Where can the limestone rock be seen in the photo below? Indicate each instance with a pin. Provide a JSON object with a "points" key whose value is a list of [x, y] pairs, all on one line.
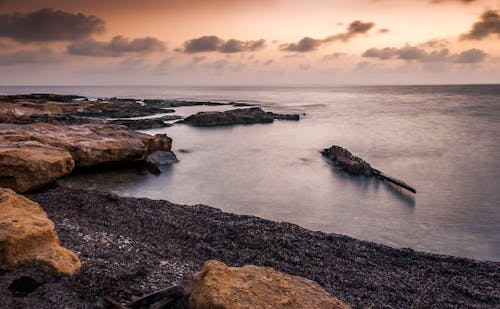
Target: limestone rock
{"points": [[218, 286], [28, 237], [36, 154], [26, 165]]}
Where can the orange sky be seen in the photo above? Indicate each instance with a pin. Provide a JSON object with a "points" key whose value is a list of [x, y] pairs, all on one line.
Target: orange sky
{"points": [[386, 45]]}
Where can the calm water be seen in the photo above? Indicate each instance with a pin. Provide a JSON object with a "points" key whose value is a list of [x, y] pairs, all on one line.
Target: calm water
{"points": [[443, 140]]}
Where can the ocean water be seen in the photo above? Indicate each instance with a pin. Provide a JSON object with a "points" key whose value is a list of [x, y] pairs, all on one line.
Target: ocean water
{"points": [[443, 140]]}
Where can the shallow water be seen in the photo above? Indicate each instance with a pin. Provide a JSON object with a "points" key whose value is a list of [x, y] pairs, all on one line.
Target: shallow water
{"points": [[443, 140]]}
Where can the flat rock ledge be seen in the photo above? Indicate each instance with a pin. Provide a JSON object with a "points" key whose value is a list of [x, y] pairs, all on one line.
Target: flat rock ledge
{"points": [[39, 153], [235, 116], [220, 286], [28, 238]]}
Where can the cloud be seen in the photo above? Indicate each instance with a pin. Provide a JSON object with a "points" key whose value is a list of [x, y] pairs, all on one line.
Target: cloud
{"points": [[308, 44], [268, 62], [49, 25], [462, 1], [473, 55], [333, 56], [116, 47], [39, 56], [413, 53], [237, 46], [435, 43], [489, 23], [355, 28], [212, 43]]}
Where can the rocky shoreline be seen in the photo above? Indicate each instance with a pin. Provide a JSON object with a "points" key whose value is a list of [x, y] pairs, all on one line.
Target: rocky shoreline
{"points": [[132, 246]]}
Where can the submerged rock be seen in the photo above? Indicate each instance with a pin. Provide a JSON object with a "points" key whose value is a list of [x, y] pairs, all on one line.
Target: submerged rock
{"points": [[162, 158], [28, 238], [36, 154], [145, 124], [222, 287], [235, 116]]}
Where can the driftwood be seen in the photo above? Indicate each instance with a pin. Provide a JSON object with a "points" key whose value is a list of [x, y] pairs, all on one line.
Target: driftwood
{"points": [[158, 299], [357, 166], [113, 303]]}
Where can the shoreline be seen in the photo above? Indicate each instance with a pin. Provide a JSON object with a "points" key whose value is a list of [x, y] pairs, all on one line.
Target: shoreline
{"points": [[136, 245]]}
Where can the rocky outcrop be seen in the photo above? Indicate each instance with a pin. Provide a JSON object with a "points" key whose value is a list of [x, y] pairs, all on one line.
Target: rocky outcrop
{"points": [[28, 237], [235, 116], [222, 287], [36, 154]]}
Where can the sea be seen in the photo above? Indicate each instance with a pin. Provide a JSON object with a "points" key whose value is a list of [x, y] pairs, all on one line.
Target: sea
{"points": [[443, 140]]}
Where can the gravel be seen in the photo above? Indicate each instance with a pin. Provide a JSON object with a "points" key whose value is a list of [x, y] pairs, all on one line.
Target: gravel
{"points": [[131, 246]]}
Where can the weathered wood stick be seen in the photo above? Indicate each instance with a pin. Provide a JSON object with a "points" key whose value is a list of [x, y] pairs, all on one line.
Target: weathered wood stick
{"points": [[113, 303], [395, 181], [172, 292]]}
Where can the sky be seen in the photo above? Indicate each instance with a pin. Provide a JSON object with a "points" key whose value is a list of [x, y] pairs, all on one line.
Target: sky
{"points": [[249, 42]]}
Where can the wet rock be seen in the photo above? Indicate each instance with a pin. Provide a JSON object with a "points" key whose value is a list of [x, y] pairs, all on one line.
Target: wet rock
{"points": [[235, 116], [28, 237], [145, 124], [162, 158], [347, 161], [36, 154], [220, 286]]}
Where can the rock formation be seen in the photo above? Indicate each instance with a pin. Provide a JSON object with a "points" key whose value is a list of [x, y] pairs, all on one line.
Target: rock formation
{"points": [[222, 287], [36, 154], [28, 237], [235, 116]]}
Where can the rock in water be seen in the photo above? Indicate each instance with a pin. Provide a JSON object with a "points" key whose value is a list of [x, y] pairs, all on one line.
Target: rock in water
{"points": [[162, 158], [222, 287], [28, 237], [235, 116]]}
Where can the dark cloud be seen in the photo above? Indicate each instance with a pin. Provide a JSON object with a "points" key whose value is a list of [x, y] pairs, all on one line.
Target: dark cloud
{"points": [[237, 46], [212, 43], [473, 55], [39, 56], [413, 53], [355, 28], [308, 44], [116, 47], [49, 25], [383, 30], [268, 62], [489, 23]]}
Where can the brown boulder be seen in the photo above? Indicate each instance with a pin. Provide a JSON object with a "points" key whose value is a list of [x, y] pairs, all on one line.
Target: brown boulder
{"points": [[26, 165], [28, 237], [218, 286]]}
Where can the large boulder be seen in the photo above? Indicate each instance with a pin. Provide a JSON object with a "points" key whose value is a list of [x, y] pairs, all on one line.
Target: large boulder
{"points": [[28, 237], [36, 154], [235, 116], [218, 286], [26, 165]]}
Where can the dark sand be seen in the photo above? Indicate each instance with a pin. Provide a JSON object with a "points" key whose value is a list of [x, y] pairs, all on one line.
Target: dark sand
{"points": [[128, 245]]}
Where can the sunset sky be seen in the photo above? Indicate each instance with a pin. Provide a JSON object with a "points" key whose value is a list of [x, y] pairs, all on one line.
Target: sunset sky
{"points": [[254, 42]]}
